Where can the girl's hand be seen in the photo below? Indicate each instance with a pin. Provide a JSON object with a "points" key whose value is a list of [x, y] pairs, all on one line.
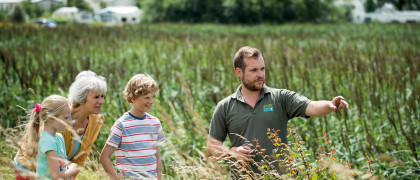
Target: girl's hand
{"points": [[74, 167]]}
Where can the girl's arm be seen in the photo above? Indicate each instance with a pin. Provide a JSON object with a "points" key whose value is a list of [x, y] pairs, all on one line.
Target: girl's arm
{"points": [[53, 165], [159, 163], [106, 161]]}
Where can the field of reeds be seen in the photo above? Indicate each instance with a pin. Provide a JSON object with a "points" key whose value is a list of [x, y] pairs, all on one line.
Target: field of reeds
{"points": [[374, 66]]}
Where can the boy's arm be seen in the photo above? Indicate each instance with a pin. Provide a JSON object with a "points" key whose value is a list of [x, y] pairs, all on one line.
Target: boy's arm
{"points": [[159, 163], [53, 166], [105, 159]]}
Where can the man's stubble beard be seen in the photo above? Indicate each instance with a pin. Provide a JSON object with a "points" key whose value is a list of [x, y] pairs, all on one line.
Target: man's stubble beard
{"points": [[251, 86]]}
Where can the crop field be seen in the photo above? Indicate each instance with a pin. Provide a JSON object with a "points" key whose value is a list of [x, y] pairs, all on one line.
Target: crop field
{"points": [[374, 66]]}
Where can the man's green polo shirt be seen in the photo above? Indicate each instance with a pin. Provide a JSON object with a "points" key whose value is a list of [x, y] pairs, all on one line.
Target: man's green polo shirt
{"points": [[234, 117]]}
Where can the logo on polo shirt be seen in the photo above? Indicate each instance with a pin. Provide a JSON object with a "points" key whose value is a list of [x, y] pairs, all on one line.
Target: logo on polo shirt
{"points": [[268, 107]]}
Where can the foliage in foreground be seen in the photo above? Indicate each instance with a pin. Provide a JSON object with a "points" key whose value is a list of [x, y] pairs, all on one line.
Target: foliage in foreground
{"points": [[297, 162]]}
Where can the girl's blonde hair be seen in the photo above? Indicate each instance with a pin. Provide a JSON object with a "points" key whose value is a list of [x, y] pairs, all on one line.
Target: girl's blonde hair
{"points": [[138, 85], [52, 106]]}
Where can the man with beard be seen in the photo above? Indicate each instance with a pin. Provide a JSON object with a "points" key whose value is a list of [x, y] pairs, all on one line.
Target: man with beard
{"points": [[252, 109]]}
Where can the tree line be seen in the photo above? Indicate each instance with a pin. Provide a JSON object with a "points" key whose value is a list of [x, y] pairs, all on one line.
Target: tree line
{"points": [[238, 11]]}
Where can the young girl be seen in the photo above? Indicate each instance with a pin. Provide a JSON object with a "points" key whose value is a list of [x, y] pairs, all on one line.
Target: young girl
{"points": [[49, 149]]}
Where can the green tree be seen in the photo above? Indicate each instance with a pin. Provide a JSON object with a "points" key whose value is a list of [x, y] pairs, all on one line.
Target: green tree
{"points": [[273, 11], [370, 6], [319, 11], [81, 4], [243, 11], [102, 4], [18, 15], [138, 3], [32, 10], [3, 15]]}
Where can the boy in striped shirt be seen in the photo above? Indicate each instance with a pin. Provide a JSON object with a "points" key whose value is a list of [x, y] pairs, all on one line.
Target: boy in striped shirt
{"points": [[135, 137]]}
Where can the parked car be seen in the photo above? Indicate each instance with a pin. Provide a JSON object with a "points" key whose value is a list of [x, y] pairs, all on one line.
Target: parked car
{"points": [[45, 22]]}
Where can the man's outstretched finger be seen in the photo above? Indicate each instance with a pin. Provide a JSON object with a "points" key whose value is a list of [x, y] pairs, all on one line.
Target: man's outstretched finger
{"points": [[342, 105]]}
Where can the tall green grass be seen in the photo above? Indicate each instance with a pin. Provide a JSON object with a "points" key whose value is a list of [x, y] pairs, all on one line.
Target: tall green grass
{"points": [[374, 66]]}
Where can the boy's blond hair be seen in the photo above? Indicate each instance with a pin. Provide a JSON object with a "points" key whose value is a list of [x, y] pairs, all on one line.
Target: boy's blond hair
{"points": [[138, 85]]}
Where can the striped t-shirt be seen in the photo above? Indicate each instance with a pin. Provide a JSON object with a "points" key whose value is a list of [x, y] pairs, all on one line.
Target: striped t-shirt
{"points": [[136, 140]]}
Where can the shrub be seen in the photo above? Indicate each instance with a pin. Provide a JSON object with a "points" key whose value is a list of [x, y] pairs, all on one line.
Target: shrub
{"points": [[18, 16]]}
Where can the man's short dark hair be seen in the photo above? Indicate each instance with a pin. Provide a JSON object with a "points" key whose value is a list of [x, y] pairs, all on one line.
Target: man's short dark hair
{"points": [[245, 52]]}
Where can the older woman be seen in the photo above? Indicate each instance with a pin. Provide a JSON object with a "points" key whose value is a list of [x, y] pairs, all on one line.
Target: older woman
{"points": [[86, 96]]}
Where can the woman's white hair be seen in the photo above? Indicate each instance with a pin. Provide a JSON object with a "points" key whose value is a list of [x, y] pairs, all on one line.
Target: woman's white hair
{"points": [[85, 81]]}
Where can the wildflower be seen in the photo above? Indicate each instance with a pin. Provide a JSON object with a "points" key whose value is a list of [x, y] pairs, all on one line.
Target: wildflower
{"points": [[257, 145]]}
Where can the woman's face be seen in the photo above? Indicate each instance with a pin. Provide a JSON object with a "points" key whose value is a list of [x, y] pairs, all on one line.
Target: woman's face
{"points": [[94, 102]]}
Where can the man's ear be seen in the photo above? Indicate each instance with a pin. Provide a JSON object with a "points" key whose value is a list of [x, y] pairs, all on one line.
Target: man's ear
{"points": [[238, 72]]}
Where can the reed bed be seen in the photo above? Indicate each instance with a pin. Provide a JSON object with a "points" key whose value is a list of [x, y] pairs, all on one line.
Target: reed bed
{"points": [[374, 66]]}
